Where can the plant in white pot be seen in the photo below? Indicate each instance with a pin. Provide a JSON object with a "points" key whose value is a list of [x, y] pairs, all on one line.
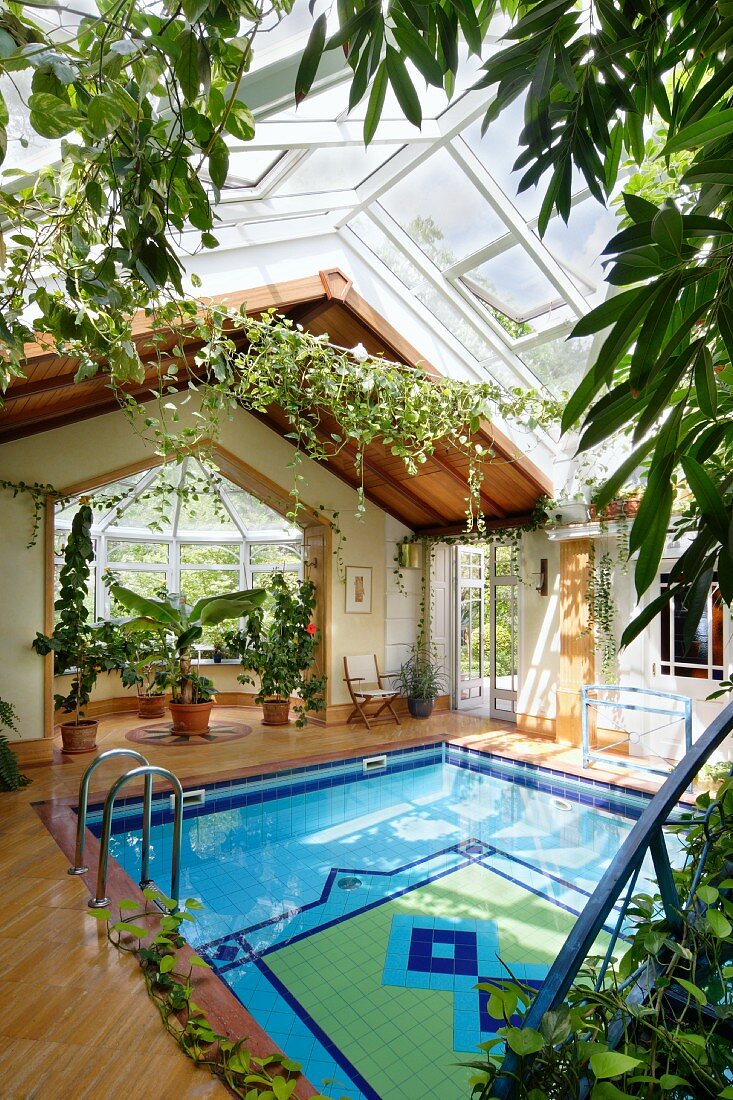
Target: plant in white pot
{"points": [[420, 680], [192, 696], [79, 647], [280, 648]]}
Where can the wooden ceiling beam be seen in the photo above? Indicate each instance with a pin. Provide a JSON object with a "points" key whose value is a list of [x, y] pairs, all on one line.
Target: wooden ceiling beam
{"points": [[457, 529], [486, 501]]}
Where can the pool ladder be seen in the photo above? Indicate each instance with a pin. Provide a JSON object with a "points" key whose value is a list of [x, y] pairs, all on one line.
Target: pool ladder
{"points": [[145, 771]]}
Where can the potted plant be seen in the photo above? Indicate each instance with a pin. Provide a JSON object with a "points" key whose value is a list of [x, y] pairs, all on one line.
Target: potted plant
{"points": [[280, 648], [85, 649], [146, 671], [11, 778], [420, 679], [192, 696]]}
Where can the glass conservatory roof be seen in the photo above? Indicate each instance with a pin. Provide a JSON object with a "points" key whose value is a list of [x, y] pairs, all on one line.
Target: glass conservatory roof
{"points": [[190, 500], [435, 211]]}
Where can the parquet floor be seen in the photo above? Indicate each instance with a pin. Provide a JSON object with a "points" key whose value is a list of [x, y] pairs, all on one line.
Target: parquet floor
{"points": [[76, 1020]]}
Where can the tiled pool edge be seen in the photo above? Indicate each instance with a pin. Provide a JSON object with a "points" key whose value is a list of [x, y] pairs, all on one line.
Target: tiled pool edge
{"points": [[226, 1013], [271, 786]]}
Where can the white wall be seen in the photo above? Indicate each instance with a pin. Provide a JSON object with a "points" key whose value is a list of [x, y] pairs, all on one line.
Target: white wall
{"points": [[539, 628], [401, 600], [103, 445]]}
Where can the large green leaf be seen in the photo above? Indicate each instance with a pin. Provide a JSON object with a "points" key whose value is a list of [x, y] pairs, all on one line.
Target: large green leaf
{"points": [[159, 612], [311, 58], [708, 498], [225, 607], [255, 597], [715, 125], [403, 87]]}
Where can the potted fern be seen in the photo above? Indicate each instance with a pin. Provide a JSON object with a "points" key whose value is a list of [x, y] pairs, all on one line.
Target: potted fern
{"points": [[10, 777]]}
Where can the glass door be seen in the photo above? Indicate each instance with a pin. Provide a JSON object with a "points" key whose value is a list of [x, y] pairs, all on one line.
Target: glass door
{"points": [[502, 590], [487, 618], [470, 678]]}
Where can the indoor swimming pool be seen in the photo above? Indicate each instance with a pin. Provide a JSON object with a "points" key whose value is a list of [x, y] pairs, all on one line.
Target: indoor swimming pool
{"points": [[352, 906]]}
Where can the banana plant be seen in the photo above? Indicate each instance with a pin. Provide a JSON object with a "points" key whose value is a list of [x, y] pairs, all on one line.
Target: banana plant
{"points": [[172, 615]]}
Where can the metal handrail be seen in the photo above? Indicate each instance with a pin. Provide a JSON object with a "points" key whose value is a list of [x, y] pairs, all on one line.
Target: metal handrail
{"points": [[646, 835], [147, 772], [79, 867]]}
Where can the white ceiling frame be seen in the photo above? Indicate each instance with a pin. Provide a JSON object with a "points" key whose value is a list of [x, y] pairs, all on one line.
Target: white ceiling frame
{"points": [[277, 206], [480, 320], [132, 496], [472, 311], [217, 486], [548, 265], [283, 135], [451, 122]]}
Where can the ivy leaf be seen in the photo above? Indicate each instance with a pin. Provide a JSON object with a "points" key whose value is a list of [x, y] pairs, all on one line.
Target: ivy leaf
{"points": [[240, 121], [187, 64], [611, 1063], [693, 990], [720, 925], [524, 1040], [219, 163], [52, 117]]}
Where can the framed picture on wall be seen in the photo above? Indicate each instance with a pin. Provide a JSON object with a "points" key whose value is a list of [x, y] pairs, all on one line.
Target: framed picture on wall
{"points": [[359, 589]]}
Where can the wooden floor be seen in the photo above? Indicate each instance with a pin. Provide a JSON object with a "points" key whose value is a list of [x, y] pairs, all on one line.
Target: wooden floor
{"points": [[76, 1019]]}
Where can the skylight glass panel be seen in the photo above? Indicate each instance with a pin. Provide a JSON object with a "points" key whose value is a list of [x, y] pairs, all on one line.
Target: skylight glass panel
{"points": [[454, 321], [380, 244], [256, 516], [335, 169], [559, 364], [579, 244], [513, 283], [246, 169], [446, 216], [26, 149], [499, 148]]}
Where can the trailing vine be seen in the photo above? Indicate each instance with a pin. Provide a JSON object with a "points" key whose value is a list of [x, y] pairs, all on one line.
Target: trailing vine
{"points": [[156, 941]]}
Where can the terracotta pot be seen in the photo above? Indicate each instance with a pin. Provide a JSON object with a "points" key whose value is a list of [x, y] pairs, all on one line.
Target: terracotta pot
{"points": [[81, 737], [151, 706], [420, 708], [190, 719], [276, 712]]}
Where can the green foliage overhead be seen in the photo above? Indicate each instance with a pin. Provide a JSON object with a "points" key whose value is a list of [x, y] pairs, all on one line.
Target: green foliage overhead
{"points": [[141, 98], [597, 79]]}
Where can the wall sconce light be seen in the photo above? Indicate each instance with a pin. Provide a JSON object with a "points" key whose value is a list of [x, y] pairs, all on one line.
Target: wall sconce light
{"points": [[541, 575], [312, 564]]}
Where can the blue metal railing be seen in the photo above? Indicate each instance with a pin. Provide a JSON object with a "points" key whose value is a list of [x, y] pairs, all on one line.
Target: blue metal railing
{"points": [[645, 836], [590, 699]]}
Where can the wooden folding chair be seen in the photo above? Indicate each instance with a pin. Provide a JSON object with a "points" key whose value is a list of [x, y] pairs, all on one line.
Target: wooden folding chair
{"points": [[366, 688]]}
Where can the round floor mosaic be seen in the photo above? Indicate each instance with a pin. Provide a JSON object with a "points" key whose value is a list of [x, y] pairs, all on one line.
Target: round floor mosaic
{"points": [[161, 733]]}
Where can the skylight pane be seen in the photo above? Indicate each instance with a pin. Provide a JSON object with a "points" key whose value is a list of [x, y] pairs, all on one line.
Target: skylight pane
{"points": [[579, 244], [257, 516], [247, 168], [499, 148], [454, 321], [513, 283], [559, 364], [395, 258], [442, 211], [335, 169]]}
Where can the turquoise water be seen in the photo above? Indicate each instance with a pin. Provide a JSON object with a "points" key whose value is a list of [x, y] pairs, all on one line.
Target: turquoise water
{"points": [[276, 861]]}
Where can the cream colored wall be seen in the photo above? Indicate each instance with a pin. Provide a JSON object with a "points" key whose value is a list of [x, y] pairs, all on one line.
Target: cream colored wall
{"points": [[539, 632], [96, 447]]}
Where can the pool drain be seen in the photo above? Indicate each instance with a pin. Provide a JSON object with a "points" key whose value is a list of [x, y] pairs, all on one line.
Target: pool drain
{"points": [[562, 804], [349, 883]]}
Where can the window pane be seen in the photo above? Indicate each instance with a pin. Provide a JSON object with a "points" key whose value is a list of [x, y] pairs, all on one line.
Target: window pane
{"points": [[219, 553], [275, 555], [197, 583], [506, 561], [257, 516], [579, 244], [139, 580], [151, 553], [335, 169], [446, 216], [560, 363], [205, 512], [513, 282]]}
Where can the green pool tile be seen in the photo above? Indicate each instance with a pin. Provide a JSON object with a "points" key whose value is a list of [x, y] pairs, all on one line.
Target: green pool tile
{"points": [[401, 1039]]}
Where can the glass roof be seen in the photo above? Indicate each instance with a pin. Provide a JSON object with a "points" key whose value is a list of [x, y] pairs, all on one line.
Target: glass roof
{"points": [[187, 500], [435, 211]]}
